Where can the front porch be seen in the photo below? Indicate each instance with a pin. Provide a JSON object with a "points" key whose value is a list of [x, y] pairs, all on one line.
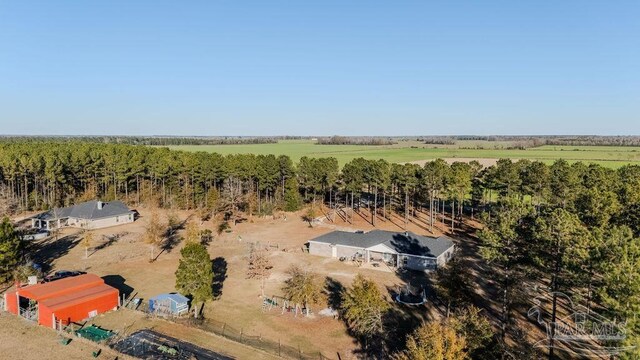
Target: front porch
{"points": [[382, 258], [49, 224]]}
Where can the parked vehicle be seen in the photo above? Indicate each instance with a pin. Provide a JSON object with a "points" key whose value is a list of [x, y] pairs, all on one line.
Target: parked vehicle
{"points": [[62, 274]]}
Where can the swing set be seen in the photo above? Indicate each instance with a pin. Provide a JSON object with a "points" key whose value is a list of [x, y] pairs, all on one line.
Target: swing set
{"points": [[286, 306]]}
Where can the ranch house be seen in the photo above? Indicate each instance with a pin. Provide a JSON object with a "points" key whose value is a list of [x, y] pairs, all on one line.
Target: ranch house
{"points": [[86, 215], [397, 249]]}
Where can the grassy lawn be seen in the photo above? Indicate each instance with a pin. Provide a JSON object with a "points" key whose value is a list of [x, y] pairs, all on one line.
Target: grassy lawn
{"points": [[609, 156]]}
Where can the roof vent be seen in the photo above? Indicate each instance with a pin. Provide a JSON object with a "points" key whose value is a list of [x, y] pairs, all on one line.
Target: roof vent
{"points": [[406, 233], [100, 205]]}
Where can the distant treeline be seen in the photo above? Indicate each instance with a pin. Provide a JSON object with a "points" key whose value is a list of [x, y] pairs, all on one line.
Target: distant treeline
{"points": [[596, 140], [356, 140], [155, 140], [528, 141], [518, 142]]}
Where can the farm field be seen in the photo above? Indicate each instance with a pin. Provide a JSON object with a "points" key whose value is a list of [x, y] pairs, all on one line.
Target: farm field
{"points": [[413, 151]]}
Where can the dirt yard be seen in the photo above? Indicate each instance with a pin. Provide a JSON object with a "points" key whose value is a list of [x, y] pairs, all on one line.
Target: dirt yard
{"points": [[20, 339], [120, 254]]}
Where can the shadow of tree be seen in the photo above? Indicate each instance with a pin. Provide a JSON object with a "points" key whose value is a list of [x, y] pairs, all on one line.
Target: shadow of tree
{"points": [[219, 266], [171, 238], [111, 239], [49, 250], [308, 219], [206, 237], [404, 319], [334, 290], [409, 244]]}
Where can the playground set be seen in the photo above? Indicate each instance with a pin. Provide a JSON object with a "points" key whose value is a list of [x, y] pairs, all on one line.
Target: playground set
{"points": [[407, 295], [285, 305]]}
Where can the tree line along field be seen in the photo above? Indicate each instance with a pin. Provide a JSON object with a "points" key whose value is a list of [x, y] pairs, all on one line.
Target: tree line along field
{"points": [[410, 151]]}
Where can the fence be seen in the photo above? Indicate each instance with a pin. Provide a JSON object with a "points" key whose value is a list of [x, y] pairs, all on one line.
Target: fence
{"points": [[237, 335]]}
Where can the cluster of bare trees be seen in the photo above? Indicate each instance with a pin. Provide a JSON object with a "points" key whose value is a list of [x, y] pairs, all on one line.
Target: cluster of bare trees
{"points": [[356, 140]]}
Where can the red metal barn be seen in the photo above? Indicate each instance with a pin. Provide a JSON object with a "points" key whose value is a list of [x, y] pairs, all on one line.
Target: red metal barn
{"points": [[67, 300]]}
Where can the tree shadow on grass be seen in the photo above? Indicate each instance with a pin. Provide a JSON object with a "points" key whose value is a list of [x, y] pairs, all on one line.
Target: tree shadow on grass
{"points": [[171, 238], [219, 266], [334, 290], [110, 240], [49, 250]]}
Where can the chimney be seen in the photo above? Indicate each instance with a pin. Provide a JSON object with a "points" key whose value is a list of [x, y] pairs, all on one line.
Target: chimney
{"points": [[100, 205]]}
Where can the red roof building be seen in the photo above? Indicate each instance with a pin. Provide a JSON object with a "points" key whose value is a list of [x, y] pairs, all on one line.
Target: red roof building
{"points": [[63, 301]]}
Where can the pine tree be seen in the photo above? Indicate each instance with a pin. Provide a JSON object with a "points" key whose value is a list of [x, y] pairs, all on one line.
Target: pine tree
{"points": [[504, 245], [565, 240], [454, 283], [620, 289], [292, 199], [11, 247], [194, 276]]}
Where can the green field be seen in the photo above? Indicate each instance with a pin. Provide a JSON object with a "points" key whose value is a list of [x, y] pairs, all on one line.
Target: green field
{"points": [[609, 156]]}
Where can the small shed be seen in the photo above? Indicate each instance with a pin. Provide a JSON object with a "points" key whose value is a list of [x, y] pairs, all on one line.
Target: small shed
{"points": [[169, 304]]}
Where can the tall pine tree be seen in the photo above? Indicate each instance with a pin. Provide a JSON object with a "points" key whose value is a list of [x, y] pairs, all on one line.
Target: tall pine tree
{"points": [[10, 250], [194, 276]]}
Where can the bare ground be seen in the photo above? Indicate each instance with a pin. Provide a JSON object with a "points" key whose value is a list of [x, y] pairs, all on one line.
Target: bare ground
{"points": [[21, 339]]}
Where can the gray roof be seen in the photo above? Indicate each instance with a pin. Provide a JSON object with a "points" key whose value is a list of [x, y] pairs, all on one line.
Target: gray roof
{"points": [[87, 210], [402, 242], [175, 297]]}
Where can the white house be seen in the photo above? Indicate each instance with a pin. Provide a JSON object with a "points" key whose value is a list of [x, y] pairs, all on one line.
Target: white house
{"points": [[87, 215], [398, 249]]}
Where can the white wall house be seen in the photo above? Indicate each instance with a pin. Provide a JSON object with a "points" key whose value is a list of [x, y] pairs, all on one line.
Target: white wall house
{"points": [[87, 215], [397, 249]]}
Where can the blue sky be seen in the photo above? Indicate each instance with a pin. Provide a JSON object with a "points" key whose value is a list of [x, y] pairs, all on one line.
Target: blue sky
{"points": [[319, 67]]}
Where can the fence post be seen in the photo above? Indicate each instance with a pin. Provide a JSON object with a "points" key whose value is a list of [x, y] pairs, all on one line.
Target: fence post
{"points": [[279, 348], [240, 334]]}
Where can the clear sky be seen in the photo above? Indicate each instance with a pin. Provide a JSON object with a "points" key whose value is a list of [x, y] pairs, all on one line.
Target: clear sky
{"points": [[325, 67]]}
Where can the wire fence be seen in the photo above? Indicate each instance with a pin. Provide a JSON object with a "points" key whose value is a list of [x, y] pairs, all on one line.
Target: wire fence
{"points": [[225, 330], [238, 335]]}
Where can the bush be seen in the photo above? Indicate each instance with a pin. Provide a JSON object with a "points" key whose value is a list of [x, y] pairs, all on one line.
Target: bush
{"points": [[224, 226]]}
